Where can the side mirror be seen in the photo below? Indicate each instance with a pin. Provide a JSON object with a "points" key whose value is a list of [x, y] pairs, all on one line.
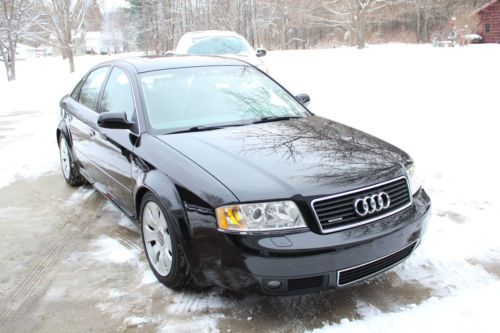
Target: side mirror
{"points": [[114, 120], [260, 52], [303, 98]]}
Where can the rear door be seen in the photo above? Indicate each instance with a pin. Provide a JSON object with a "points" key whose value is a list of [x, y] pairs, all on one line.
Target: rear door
{"points": [[82, 117], [111, 149]]}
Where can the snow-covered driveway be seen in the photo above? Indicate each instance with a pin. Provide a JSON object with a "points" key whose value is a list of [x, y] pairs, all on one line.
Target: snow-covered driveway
{"points": [[72, 262]]}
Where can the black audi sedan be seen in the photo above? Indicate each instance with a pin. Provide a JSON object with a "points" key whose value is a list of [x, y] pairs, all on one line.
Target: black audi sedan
{"points": [[234, 182]]}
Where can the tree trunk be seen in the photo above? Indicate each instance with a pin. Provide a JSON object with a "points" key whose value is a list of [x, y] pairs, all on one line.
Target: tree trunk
{"points": [[11, 71], [419, 38], [7, 67], [71, 60], [11, 58], [361, 32], [426, 28]]}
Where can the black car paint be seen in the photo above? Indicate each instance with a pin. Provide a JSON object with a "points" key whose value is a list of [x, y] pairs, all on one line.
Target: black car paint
{"points": [[193, 173]]}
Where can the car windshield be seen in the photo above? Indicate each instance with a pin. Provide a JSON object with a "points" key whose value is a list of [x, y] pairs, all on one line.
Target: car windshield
{"points": [[184, 98], [217, 46]]}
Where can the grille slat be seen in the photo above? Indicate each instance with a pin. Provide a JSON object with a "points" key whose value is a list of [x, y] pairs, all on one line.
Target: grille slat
{"points": [[396, 193], [398, 202], [370, 269], [309, 283], [396, 197], [354, 274], [336, 207], [338, 212]]}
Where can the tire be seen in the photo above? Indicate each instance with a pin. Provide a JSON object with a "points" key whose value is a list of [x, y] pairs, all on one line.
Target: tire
{"points": [[161, 244], [69, 168]]}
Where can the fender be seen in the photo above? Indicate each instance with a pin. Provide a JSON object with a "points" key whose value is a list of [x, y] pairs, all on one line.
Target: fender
{"points": [[63, 128], [160, 185], [163, 188]]}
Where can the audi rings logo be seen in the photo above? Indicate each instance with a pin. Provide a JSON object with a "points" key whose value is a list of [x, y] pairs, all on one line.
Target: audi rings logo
{"points": [[372, 204]]}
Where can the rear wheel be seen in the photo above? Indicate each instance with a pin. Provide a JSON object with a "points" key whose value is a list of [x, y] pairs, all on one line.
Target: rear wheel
{"points": [[161, 244], [68, 165]]}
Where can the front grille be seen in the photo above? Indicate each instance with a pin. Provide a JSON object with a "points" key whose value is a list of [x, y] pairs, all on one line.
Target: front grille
{"points": [[308, 283], [337, 212], [357, 273]]}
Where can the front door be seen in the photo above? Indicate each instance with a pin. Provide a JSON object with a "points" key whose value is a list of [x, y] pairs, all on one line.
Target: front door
{"points": [[111, 149]]}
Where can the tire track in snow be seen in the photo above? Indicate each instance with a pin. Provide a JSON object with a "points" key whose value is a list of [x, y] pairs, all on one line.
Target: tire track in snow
{"points": [[23, 294], [31, 286], [128, 238]]}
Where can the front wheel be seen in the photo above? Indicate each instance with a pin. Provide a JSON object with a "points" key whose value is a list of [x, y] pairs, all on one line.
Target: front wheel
{"points": [[161, 244], [69, 168]]}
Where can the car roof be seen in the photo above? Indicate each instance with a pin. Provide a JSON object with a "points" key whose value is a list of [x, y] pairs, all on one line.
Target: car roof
{"points": [[155, 63], [211, 33]]}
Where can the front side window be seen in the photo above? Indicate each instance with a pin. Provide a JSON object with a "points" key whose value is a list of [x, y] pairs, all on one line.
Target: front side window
{"points": [[117, 95], [217, 95], [92, 87]]}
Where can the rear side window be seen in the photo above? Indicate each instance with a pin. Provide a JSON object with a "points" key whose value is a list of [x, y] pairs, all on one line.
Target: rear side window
{"points": [[76, 91], [92, 87], [117, 95]]}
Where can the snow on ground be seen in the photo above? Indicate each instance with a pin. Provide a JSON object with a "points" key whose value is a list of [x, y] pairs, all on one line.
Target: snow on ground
{"points": [[438, 104], [441, 106], [457, 313]]}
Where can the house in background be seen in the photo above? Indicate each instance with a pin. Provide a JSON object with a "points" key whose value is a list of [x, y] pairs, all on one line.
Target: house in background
{"points": [[104, 42], [24, 52], [489, 22], [53, 47]]}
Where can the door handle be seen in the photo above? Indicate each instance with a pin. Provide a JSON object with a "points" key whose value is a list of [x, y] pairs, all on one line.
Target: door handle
{"points": [[92, 133]]}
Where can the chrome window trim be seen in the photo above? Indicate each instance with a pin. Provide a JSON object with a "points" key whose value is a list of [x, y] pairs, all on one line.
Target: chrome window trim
{"points": [[414, 244], [353, 225]]}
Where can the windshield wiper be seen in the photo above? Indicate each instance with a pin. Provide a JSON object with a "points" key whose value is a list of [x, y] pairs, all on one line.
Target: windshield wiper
{"points": [[274, 118], [202, 128], [196, 129]]}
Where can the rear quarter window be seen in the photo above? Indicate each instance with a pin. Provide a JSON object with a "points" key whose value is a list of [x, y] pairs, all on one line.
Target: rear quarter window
{"points": [[76, 91], [91, 88]]}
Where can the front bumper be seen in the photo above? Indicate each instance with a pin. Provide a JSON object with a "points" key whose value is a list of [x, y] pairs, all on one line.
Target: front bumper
{"points": [[305, 261]]}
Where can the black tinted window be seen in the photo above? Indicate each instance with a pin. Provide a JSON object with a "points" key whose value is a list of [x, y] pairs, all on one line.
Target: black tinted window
{"points": [[91, 88], [117, 96]]}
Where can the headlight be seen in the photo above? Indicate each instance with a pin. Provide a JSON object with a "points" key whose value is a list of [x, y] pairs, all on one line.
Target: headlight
{"points": [[257, 217], [415, 182]]}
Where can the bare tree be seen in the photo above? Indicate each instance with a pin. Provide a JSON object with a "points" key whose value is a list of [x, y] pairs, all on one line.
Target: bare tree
{"points": [[158, 24], [65, 20], [17, 17], [350, 15]]}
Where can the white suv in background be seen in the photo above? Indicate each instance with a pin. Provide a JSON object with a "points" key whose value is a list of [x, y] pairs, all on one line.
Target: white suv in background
{"points": [[223, 43]]}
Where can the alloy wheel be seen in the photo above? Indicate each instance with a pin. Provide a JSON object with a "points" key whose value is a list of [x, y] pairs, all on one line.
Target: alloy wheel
{"points": [[157, 238], [65, 158]]}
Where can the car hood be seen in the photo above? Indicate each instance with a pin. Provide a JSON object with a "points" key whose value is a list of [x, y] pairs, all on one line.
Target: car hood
{"points": [[306, 157]]}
